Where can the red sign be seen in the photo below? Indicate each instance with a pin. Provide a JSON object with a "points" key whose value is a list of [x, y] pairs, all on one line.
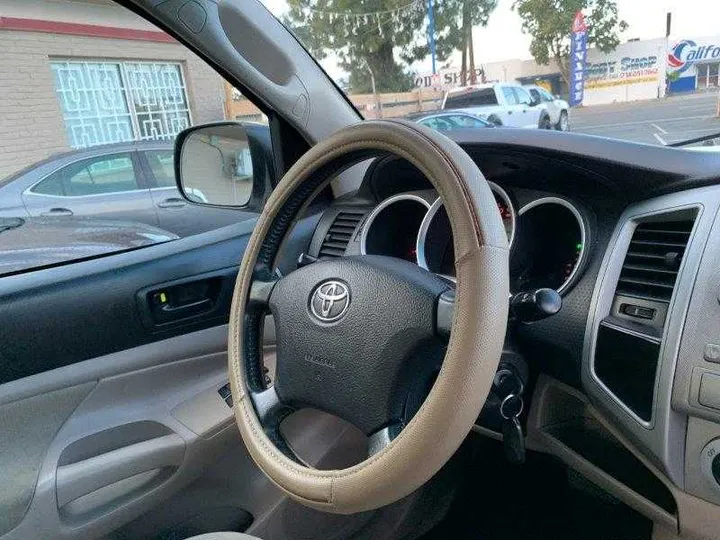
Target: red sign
{"points": [[578, 24]]}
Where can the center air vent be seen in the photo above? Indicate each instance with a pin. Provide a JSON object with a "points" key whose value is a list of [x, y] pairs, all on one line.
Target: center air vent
{"points": [[340, 232], [653, 259]]}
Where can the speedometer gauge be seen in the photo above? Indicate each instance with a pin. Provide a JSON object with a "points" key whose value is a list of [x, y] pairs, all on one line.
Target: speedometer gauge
{"points": [[507, 213], [435, 250]]}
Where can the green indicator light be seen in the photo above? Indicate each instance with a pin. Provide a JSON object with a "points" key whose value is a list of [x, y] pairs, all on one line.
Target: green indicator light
{"points": [[578, 247]]}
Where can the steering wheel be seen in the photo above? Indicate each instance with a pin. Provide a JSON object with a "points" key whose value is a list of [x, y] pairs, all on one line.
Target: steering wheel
{"points": [[362, 337]]}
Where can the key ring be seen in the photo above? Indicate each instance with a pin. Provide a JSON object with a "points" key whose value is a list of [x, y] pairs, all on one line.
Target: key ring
{"points": [[504, 374], [505, 401]]}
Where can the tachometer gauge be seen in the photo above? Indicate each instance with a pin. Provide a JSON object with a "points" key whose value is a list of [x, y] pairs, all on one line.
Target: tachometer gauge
{"points": [[391, 229]]}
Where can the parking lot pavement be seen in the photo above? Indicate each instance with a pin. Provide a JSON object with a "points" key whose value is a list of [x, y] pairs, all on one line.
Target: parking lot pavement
{"points": [[660, 121]]}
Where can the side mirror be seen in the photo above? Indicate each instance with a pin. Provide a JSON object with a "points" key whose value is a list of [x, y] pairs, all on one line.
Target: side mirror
{"points": [[534, 100], [214, 164]]}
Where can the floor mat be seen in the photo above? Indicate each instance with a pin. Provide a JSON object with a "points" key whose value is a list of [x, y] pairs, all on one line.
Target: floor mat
{"points": [[540, 500]]}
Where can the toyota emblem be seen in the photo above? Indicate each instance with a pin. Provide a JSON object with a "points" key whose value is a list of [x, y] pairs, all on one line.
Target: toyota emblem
{"points": [[330, 300]]}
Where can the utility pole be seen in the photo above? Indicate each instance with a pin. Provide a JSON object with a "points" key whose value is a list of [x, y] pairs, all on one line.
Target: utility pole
{"points": [[431, 32]]}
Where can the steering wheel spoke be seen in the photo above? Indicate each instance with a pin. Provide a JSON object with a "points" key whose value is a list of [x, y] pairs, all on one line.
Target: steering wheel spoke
{"points": [[271, 411], [444, 313], [261, 289], [381, 438]]}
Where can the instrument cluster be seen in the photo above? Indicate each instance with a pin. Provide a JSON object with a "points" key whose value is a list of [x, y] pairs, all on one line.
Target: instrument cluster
{"points": [[547, 236]]}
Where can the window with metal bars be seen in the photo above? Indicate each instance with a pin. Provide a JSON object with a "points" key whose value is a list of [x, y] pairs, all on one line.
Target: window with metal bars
{"points": [[106, 102]]}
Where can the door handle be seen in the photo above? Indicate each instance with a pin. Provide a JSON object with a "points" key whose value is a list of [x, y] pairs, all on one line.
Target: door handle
{"points": [[57, 212], [509, 112], [179, 311], [172, 202]]}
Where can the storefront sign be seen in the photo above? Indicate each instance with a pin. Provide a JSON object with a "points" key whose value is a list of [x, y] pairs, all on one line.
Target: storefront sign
{"points": [[578, 54], [687, 52], [626, 70], [448, 78]]}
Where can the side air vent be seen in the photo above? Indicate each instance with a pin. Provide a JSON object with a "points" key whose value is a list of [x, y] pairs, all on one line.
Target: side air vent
{"points": [[340, 233], [627, 350], [653, 259]]}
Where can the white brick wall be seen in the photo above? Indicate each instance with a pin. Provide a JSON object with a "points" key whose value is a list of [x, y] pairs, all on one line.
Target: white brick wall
{"points": [[31, 125]]}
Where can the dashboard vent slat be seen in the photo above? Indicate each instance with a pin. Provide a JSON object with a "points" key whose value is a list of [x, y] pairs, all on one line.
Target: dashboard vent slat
{"points": [[653, 260], [340, 233]]}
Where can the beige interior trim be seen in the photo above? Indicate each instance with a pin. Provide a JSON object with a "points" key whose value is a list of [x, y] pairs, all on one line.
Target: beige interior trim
{"points": [[475, 345], [696, 519]]}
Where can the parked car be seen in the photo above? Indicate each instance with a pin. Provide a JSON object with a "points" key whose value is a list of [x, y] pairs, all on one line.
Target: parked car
{"points": [[34, 242], [506, 104], [558, 109], [132, 181], [449, 120]]}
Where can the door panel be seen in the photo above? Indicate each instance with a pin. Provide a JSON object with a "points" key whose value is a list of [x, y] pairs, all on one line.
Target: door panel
{"points": [[24, 439], [120, 428], [104, 416], [87, 309]]}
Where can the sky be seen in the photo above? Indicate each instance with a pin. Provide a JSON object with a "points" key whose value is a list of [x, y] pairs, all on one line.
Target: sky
{"points": [[503, 39]]}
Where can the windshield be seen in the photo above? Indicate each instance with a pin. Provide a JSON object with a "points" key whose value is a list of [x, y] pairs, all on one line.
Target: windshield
{"points": [[641, 71]]}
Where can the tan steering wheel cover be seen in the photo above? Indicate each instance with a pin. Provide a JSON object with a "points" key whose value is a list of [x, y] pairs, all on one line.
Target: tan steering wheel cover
{"points": [[474, 348]]}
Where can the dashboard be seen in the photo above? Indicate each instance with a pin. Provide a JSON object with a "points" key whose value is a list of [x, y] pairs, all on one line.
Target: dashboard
{"points": [[625, 376]]}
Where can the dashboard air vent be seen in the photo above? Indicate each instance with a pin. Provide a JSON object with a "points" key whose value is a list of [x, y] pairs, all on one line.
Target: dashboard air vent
{"points": [[653, 259], [340, 232]]}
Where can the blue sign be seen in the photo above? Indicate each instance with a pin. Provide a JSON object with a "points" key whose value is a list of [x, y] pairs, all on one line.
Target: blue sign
{"points": [[578, 56]]}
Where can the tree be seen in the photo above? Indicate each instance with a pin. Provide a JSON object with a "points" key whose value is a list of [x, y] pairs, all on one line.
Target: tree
{"points": [[549, 23], [361, 35], [365, 36], [454, 21]]}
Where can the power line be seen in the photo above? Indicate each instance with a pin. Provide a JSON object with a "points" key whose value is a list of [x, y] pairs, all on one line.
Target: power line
{"points": [[356, 15]]}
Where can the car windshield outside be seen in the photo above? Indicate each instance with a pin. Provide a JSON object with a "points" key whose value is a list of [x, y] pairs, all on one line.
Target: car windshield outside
{"points": [[641, 71], [94, 97]]}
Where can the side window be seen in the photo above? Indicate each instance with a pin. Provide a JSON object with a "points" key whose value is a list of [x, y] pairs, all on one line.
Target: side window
{"points": [[104, 102], [162, 165], [536, 95], [510, 96], [430, 122], [485, 96], [97, 176], [439, 123], [522, 96], [461, 121], [456, 102], [52, 185], [546, 96]]}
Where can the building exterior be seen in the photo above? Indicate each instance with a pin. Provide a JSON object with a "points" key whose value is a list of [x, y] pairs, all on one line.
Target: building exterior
{"points": [[81, 73], [635, 70]]}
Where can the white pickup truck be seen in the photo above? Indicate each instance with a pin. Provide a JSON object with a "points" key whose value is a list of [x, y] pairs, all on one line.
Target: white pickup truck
{"points": [[505, 104]]}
